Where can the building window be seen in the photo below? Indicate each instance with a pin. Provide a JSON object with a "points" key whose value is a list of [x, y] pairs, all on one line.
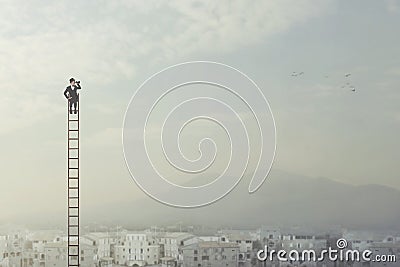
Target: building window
{"points": [[195, 259], [205, 258]]}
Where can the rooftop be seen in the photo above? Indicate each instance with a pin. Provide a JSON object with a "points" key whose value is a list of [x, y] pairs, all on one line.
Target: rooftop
{"points": [[212, 244], [45, 235]]}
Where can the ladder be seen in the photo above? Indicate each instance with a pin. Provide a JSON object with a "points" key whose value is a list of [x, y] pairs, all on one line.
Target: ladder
{"points": [[73, 187]]}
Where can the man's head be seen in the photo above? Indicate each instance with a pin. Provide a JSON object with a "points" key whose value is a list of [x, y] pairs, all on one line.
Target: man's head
{"points": [[72, 81]]}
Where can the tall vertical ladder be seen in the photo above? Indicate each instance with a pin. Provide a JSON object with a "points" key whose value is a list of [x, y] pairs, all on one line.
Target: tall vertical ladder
{"points": [[73, 187]]}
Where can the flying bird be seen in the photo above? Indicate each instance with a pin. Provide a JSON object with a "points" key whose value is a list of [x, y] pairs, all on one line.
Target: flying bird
{"points": [[347, 75], [294, 74]]}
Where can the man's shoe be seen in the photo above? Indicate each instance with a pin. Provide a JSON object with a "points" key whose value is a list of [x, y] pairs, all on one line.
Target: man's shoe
{"points": [[75, 111]]}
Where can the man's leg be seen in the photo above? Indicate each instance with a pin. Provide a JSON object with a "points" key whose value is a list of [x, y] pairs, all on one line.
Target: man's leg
{"points": [[75, 105], [70, 107]]}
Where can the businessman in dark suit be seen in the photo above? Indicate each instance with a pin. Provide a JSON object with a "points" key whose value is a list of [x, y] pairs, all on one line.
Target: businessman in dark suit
{"points": [[71, 93]]}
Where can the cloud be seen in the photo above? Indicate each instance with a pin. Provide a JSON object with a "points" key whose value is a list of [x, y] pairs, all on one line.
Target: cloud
{"points": [[43, 43], [223, 26], [392, 6], [394, 71]]}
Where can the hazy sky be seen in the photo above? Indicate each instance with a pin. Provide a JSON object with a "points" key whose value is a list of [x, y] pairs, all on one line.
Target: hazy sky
{"points": [[113, 46]]}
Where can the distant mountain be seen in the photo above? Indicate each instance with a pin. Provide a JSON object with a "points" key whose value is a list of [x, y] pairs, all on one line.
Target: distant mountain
{"points": [[284, 199]]}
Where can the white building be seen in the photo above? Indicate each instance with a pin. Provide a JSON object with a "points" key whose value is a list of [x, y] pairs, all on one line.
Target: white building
{"points": [[3, 247], [103, 241], [389, 251], [211, 254], [171, 242], [301, 242], [269, 236], [244, 240], [361, 240], [38, 240], [56, 254], [14, 241], [137, 248]]}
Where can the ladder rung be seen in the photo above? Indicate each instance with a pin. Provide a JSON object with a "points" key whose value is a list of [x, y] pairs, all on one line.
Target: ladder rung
{"points": [[73, 130], [73, 225], [73, 187], [73, 148], [73, 138], [71, 245], [73, 178], [73, 168], [73, 120], [73, 197], [73, 158], [74, 235], [73, 216]]}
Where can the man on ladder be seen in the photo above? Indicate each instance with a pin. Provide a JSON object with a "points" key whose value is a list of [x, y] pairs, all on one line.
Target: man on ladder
{"points": [[71, 93]]}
